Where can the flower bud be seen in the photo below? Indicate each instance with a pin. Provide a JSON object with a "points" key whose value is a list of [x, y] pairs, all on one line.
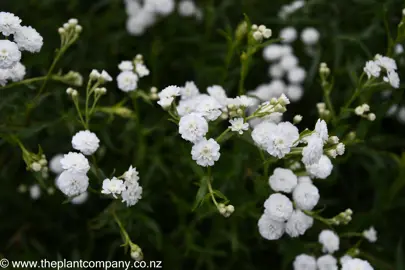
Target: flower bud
{"points": [[297, 119], [36, 167], [371, 116], [257, 36]]}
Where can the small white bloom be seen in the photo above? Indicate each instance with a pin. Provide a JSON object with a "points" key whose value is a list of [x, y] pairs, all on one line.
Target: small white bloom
{"points": [[329, 240], [288, 34], [327, 262], [141, 70], [187, 8], [167, 95], [245, 101], [270, 229], [272, 52], [282, 139], [189, 90], [131, 176], [283, 180], [187, 106], [357, 264], [370, 235], [306, 196], [310, 36], [322, 130], [238, 125], [322, 169], [288, 62], [28, 39], [276, 71], [298, 223], [75, 163], [113, 186], [371, 116], [206, 152], [294, 92], [193, 127], [54, 164], [105, 76], [296, 75], [304, 262], [392, 78], [35, 192], [345, 259], [209, 107], [132, 194], [312, 153], [86, 142], [340, 149], [127, 81], [17, 72], [261, 134], [218, 92], [36, 167], [278, 207], [126, 66], [9, 54], [385, 62], [399, 49], [9, 23], [161, 7], [94, 75], [372, 69], [72, 184]]}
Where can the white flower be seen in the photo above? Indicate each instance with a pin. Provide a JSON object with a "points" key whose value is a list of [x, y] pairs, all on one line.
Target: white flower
{"points": [[385, 62], [356, 264], [132, 194], [75, 163], [276, 71], [189, 90], [105, 76], [304, 262], [94, 75], [269, 228], [322, 169], [72, 184], [282, 139], [167, 95], [296, 75], [131, 176], [288, 34], [288, 62], [392, 78], [127, 81], [113, 186], [322, 130], [245, 101], [55, 165], [310, 36], [186, 106], [4, 76], [187, 8], [9, 23], [28, 39], [304, 179], [206, 152], [327, 262], [141, 70], [370, 235], [294, 92], [261, 134], [345, 259], [86, 142], [218, 92], [272, 52], [306, 196], [209, 107], [312, 153], [278, 207], [136, 25], [372, 69], [162, 7], [193, 127], [283, 180], [17, 72], [340, 149], [35, 190], [9, 54], [298, 223], [238, 125], [329, 240], [126, 66], [399, 49]]}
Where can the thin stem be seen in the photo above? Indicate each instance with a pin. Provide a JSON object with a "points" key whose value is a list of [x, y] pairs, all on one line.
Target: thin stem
{"points": [[210, 187], [351, 234], [75, 101], [127, 239], [27, 81], [222, 135], [93, 158], [243, 72]]}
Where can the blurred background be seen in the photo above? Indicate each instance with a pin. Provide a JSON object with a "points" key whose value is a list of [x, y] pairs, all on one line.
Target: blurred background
{"points": [[369, 179]]}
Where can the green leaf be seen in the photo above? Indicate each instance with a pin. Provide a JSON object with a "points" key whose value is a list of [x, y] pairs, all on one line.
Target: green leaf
{"points": [[200, 196]]}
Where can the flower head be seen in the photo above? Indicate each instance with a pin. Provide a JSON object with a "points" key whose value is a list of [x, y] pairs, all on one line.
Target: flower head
{"points": [[322, 169], [327, 262], [132, 194], [113, 186], [9, 23], [370, 235], [86, 142], [127, 81], [131, 176], [304, 262], [189, 90], [306, 196], [193, 127], [356, 264], [206, 152], [9, 54], [28, 39], [75, 163], [72, 184], [167, 95], [283, 180], [278, 207], [269, 228], [298, 223], [329, 240], [238, 125], [372, 69]]}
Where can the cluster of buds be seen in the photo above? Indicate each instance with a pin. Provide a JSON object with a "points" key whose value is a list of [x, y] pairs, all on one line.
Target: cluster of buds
{"points": [[272, 106], [364, 111], [324, 70], [337, 148], [153, 93], [234, 111], [343, 218], [100, 91], [72, 92], [241, 30], [73, 78], [100, 77], [322, 111], [226, 210], [140, 68], [261, 32], [136, 252], [70, 31], [297, 119], [39, 164]]}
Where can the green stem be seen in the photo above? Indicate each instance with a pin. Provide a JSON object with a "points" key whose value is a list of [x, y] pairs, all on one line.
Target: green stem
{"points": [[76, 102], [351, 234], [220, 137], [243, 72], [127, 239], [210, 187]]}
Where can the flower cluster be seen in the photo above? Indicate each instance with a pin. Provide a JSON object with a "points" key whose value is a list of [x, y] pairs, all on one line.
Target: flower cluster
{"points": [[364, 111], [25, 38], [128, 188], [131, 72], [374, 68], [144, 14], [289, 9]]}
